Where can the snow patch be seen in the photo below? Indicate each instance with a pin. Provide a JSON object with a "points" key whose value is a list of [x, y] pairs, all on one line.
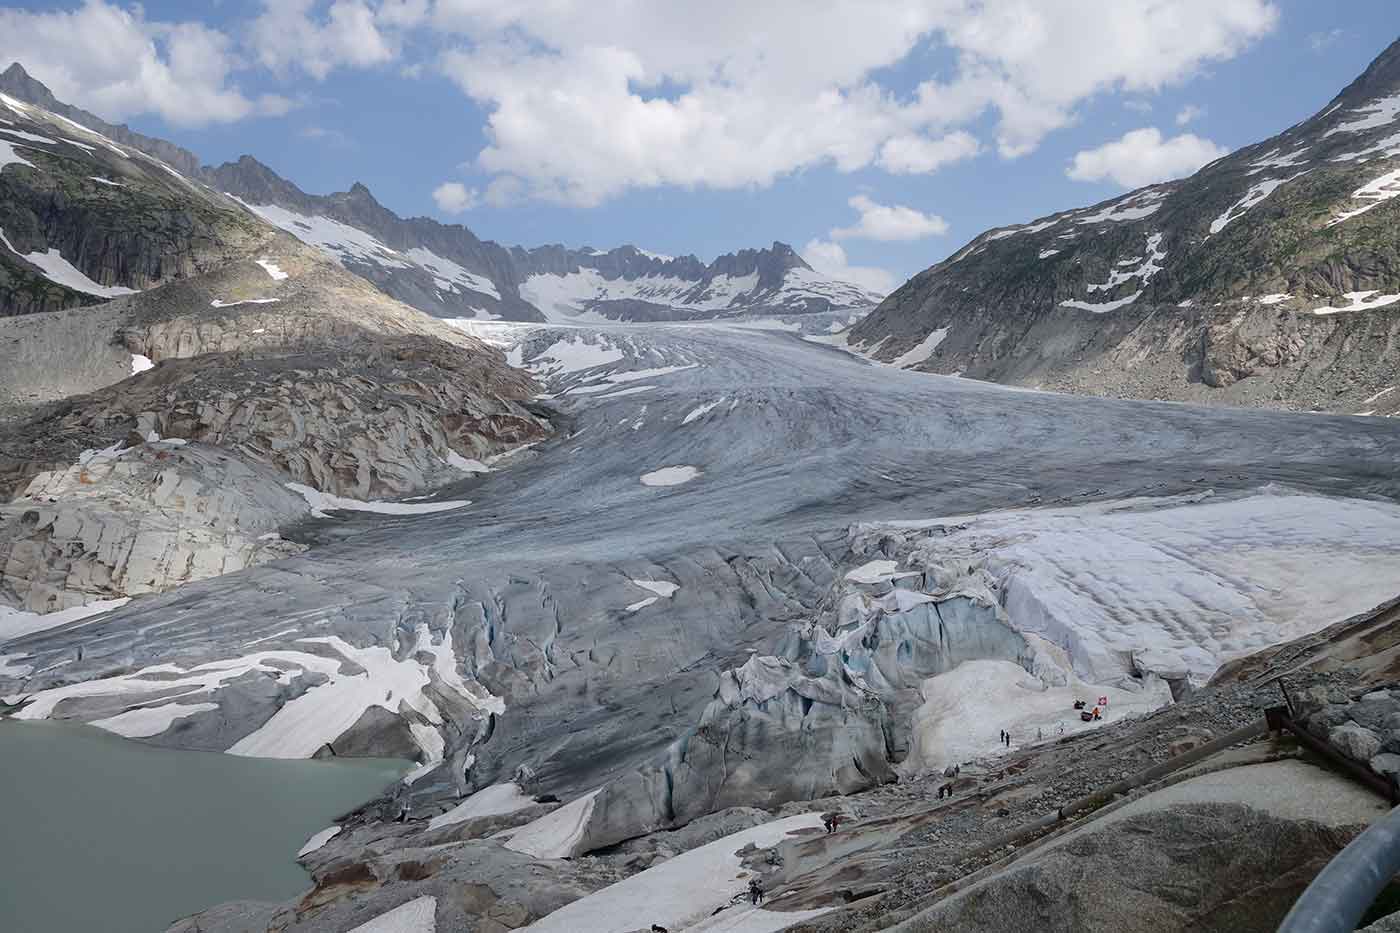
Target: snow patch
{"points": [[489, 801], [701, 411], [146, 721], [1376, 113], [1359, 301], [1101, 307], [341, 242], [272, 269], [1256, 193], [1135, 207], [555, 834], [466, 465], [9, 157], [321, 502], [140, 363], [219, 303], [106, 181], [57, 269], [9, 667], [671, 476], [318, 840], [1272, 159], [17, 622], [450, 276], [574, 355], [683, 892], [1375, 193], [417, 916], [661, 588], [921, 351], [1145, 269]]}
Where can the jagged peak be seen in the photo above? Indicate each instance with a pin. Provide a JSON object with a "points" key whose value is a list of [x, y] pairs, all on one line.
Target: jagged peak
{"points": [[16, 70]]}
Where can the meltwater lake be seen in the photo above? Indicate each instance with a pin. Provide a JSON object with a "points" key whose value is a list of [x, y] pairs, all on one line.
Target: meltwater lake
{"points": [[103, 833]]}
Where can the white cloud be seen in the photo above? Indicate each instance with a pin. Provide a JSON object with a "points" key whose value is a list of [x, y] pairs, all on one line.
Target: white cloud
{"points": [[589, 99], [913, 155], [1189, 113], [1322, 41], [290, 34], [504, 190], [830, 259], [453, 197], [1141, 157], [117, 63], [889, 222]]}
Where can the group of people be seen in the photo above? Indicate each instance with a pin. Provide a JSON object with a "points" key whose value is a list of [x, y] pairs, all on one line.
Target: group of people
{"points": [[831, 821], [1006, 738]]}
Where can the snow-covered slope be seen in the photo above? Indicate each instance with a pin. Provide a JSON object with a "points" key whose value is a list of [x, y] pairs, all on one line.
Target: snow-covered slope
{"points": [[1270, 277], [629, 284]]}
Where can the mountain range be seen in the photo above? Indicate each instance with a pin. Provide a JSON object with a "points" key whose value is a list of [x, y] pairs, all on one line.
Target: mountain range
{"points": [[449, 272], [1270, 277], [646, 605]]}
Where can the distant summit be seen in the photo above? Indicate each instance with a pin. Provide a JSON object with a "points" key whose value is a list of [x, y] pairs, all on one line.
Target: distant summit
{"points": [[1269, 277]]}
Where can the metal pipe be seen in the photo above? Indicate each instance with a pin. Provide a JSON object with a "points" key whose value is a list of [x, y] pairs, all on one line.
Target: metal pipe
{"points": [[1340, 894]]}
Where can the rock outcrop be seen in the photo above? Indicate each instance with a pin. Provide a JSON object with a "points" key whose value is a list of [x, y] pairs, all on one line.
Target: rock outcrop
{"points": [[141, 519], [1244, 843]]}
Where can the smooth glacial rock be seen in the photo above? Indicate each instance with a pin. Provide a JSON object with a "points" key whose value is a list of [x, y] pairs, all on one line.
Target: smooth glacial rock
{"points": [[141, 519]]}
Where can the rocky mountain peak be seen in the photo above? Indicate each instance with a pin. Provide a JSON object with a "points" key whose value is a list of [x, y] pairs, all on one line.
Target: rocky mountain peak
{"points": [[1261, 279], [17, 82]]}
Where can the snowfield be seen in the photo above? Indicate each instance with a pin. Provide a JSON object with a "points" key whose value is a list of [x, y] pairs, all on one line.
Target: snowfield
{"points": [[671, 476], [57, 269], [683, 892], [1181, 587], [323, 502]]}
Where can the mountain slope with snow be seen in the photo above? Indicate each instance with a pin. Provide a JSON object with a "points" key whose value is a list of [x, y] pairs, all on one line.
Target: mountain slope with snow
{"points": [[1270, 277]]}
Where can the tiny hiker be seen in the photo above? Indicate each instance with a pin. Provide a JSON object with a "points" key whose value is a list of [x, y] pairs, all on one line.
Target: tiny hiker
{"points": [[755, 892]]}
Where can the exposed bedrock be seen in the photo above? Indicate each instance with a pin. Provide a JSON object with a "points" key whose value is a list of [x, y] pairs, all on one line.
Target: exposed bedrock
{"points": [[140, 519], [1222, 852]]}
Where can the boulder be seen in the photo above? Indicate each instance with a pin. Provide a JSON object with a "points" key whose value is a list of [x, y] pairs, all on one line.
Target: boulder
{"points": [[1355, 741], [1322, 722], [1386, 764]]}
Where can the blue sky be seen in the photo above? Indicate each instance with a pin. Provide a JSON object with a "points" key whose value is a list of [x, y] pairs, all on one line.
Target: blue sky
{"points": [[690, 130]]}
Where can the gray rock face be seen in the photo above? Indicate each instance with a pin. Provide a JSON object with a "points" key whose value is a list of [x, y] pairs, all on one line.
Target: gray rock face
{"points": [[1244, 842], [122, 219], [1386, 764], [309, 376], [141, 520], [1355, 741], [478, 885], [1243, 868], [1199, 290]]}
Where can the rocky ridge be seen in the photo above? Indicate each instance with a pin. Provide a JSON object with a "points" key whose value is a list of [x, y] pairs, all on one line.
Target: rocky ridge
{"points": [[1271, 278], [442, 269], [196, 361]]}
